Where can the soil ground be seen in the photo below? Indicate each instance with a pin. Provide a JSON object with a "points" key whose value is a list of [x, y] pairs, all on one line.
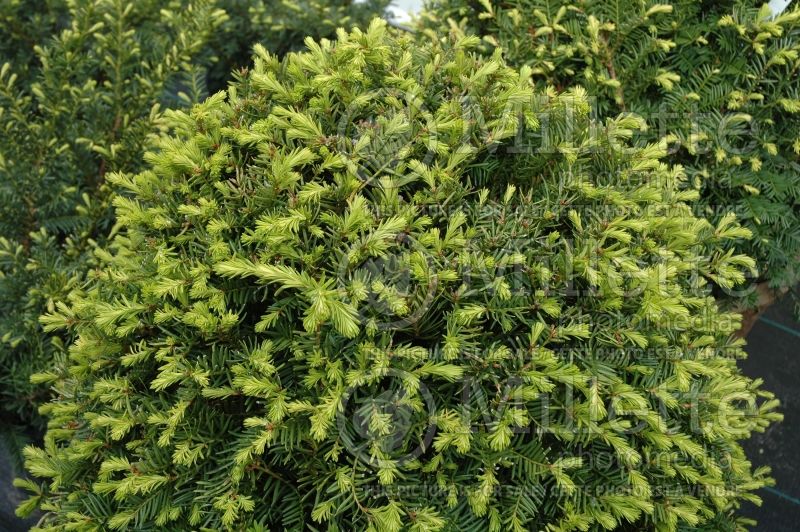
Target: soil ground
{"points": [[774, 355]]}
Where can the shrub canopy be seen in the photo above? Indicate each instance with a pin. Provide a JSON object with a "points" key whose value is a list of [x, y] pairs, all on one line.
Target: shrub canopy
{"points": [[378, 286]]}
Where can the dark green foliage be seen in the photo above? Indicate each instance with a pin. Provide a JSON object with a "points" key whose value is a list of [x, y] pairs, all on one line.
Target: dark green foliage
{"points": [[83, 104], [25, 24], [718, 79], [377, 286]]}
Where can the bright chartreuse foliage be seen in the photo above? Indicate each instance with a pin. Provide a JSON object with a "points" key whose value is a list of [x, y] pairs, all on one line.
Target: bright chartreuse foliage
{"points": [[83, 84], [387, 286], [280, 26], [719, 80]]}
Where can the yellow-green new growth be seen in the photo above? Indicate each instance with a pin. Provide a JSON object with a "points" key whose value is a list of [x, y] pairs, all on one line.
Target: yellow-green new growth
{"points": [[482, 311]]}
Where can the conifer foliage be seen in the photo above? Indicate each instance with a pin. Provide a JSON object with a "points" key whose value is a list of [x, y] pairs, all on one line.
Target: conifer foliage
{"points": [[80, 88], [718, 79], [25, 25], [382, 286], [280, 26]]}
